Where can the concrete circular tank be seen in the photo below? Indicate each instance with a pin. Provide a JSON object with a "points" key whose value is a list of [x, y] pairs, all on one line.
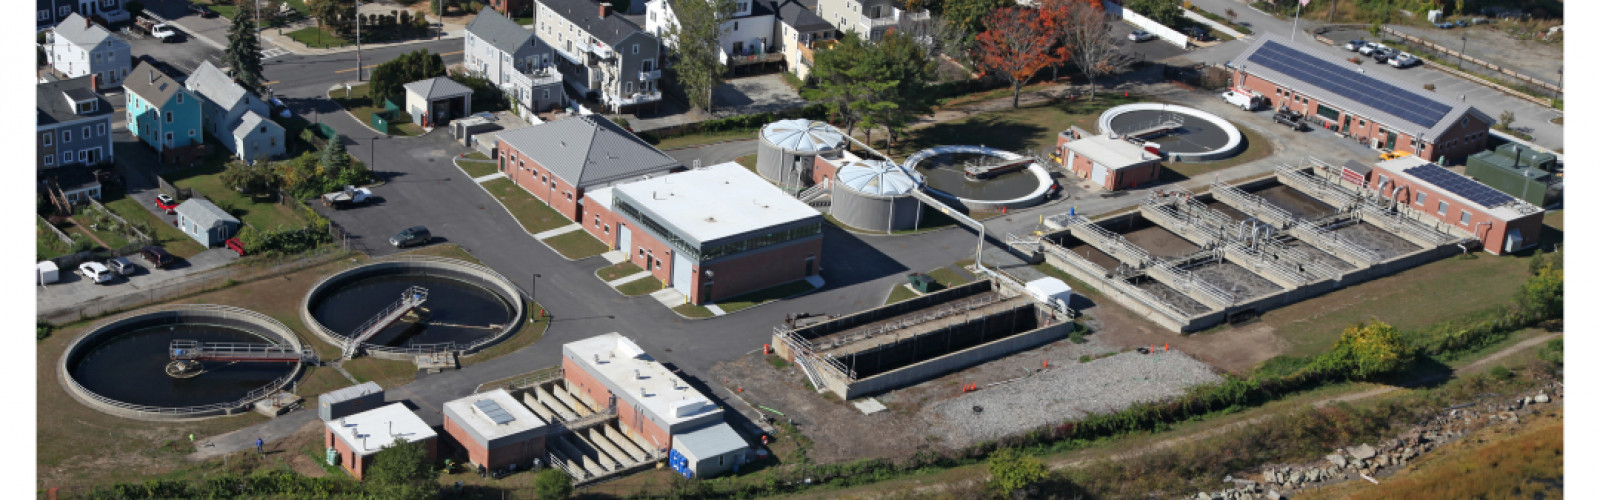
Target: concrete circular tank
{"points": [[943, 168], [120, 366], [468, 307], [1196, 136], [874, 195], [789, 148]]}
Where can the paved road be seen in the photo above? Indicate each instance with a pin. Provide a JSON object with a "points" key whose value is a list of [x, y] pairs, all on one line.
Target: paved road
{"points": [[1535, 117]]}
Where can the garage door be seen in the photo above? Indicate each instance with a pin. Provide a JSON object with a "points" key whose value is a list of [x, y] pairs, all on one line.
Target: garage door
{"points": [[625, 240], [682, 273], [1099, 176]]}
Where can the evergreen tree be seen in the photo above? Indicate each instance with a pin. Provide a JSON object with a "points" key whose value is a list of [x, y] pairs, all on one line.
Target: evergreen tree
{"points": [[334, 158], [243, 53], [907, 70], [846, 80], [388, 80], [696, 37]]}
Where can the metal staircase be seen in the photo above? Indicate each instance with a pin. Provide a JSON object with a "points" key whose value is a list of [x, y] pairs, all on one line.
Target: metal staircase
{"points": [[410, 299], [194, 350]]}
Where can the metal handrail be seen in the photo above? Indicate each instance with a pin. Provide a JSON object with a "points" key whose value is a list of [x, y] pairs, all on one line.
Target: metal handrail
{"points": [[1251, 204], [410, 299]]}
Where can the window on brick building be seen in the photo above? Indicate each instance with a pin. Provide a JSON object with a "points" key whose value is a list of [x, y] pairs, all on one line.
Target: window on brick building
{"points": [[1466, 217], [1421, 198], [1444, 208]]}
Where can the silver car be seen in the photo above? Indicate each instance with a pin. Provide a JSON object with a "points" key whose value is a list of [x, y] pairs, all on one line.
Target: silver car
{"points": [[122, 266]]}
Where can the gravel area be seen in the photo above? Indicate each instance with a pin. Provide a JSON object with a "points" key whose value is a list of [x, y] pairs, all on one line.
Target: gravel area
{"points": [[1068, 392]]}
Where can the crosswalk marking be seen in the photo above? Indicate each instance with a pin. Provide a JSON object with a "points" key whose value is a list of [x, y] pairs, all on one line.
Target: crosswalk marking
{"points": [[273, 52]]}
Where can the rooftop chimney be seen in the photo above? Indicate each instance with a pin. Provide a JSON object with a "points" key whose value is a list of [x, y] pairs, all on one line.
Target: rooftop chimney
{"points": [[152, 76], [605, 10], [86, 23]]}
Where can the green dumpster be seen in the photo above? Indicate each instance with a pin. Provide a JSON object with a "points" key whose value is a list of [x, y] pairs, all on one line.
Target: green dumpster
{"points": [[922, 282]]}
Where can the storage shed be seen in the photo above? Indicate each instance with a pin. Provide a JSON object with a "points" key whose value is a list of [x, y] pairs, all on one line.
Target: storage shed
{"points": [[336, 404], [437, 100], [205, 222], [707, 451]]}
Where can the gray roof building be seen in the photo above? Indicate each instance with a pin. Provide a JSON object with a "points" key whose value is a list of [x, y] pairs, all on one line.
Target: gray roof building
{"points": [[500, 32], [61, 101], [586, 15], [797, 15], [437, 88], [80, 31], [204, 213], [588, 150], [1334, 81], [152, 84], [214, 85]]}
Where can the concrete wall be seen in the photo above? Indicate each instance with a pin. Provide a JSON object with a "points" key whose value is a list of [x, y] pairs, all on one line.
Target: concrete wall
{"points": [[450, 268], [957, 360], [632, 419], [520, 449], [1490, 229], [1162, 32]]}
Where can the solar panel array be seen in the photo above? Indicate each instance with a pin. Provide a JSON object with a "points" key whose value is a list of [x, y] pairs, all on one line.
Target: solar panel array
{"points": [[1460, 185], [1350, 84], [494, 411]]}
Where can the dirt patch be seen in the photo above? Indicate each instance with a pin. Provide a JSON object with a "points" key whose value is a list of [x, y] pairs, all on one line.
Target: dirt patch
{"points": [[1236, 280], [1237, 351], [1386, 244], [1299, 204], [306, 466]]}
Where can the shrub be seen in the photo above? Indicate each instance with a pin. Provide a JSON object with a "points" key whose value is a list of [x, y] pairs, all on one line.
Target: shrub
{"points": [[1428, 87], [1499, 372], [552, 484], [43, 328], [1366, 351], [1084, 358], [1077, 336], [1011, 471]]}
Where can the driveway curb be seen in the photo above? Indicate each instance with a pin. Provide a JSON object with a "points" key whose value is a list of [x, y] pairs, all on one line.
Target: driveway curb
{"points": [[514, 216]]}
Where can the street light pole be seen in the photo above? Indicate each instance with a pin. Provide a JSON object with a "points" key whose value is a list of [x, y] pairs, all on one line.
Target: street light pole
{"points": [[533, 290], [1460, 56], [358, 40]]}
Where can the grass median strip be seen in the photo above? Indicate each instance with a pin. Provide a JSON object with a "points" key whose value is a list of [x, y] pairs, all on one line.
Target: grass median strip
{"points": [[535, 216], [612, 273], [576, 244], [640, 286], [693, 311], [478, 169]]}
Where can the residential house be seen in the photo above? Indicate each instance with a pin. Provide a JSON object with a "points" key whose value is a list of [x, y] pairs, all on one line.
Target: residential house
{"points": [[161, 112], [558, 161], [234, 116], [604, 56], [436, 101], [521, 64], [74, 124], [511, 8], [78, 47], [868, 18], [206, 222], [799, 33], [746, 37], [53, 12]]}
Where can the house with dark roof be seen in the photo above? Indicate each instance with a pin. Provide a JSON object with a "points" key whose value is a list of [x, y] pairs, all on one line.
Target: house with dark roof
{"points": [[746, 37], [233, 115], [603, 56], [52, 12], [206, 222], [799, 32], [521, 64], [559, 161], [73, 124], [1384, 113], [77, 47], [160, 111]]}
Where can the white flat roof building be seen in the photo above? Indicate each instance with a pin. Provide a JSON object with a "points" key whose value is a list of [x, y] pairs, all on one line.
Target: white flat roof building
{"points": [[1115, 154], [493, 416], [632, 375], [373, 430], [713, 205]]}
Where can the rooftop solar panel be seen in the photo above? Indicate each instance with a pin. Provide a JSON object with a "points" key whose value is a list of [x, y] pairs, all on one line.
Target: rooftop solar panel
{"points": [[1460, 185], [494, 411], [1351, 84]]}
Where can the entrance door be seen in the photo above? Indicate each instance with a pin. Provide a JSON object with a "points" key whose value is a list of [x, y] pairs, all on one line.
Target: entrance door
{"points": [[625, 240], [1389, 141], [1345, 128], [1099, 176], [682, 273]]}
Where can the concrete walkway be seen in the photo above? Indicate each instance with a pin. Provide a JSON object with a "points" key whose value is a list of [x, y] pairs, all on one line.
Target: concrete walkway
{"points": [[490, 177], [614, 256], [669, 297], [716, 310], [557, 231], [454, 27], [270, 431], [628, 279]]}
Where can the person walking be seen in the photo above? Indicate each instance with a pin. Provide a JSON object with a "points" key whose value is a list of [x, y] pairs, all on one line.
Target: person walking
{"points": [[259, 450]]}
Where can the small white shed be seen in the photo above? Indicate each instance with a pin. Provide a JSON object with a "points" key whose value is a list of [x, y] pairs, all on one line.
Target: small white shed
{"points": [[1050, 291], [48, 272]]}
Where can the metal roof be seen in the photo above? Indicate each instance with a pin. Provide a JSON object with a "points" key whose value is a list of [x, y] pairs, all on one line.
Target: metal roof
{"points": [[437, 88], [55, 100], [803, 135], [876, 177], [373, 430], [611, 30], [498, 31], [204, 213], [214, 85], [151, 84], [1358, 167], [709, 441], [1340, 84], [79, 31], [352, 392], [588, 150], [1115, 154], [619, 364]]}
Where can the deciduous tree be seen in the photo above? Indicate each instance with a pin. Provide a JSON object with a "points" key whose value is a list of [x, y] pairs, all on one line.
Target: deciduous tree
{"points": [[904, 95], [553, 484], [333, 14], [1018, 43], [696, 38], [969, 16], [388, 80], [1085, 32], [1366, 351], [1011, 471], [250, 178], [1166, 12]]}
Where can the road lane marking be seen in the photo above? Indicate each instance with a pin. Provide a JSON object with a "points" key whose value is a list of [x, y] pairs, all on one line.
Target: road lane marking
{"points": [[370, 66]]}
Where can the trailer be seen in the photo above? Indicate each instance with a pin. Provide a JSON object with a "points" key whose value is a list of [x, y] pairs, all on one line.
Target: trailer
{"points": [[347, 197]]}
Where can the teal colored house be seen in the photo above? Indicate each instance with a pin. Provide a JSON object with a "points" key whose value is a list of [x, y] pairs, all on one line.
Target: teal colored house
{"points": [[161, 112]]}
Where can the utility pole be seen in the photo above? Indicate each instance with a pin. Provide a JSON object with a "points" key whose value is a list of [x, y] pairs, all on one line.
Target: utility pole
{"points": [[358, 40], [258, 15]]}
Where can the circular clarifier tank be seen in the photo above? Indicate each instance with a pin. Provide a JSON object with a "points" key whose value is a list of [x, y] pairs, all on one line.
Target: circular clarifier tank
{"points": [[124, 366], [949, 175], [1183, 132], [466, 307]]}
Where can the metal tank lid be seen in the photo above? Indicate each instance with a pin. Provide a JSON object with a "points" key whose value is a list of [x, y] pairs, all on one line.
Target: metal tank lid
{"points": [[877, 177], [803, 135]]}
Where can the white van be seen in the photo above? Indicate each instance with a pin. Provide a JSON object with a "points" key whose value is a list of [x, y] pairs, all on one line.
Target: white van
{"points": [[1248, 101]]}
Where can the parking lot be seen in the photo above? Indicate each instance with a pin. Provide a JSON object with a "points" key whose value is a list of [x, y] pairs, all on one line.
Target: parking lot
{"points": [[73, 291]]}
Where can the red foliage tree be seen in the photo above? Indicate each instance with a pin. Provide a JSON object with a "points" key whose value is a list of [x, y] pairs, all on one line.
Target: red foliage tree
{"points": [[1020, 41]]}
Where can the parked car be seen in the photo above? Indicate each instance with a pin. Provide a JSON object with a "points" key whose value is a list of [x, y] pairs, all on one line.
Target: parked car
{"points": [[1370, 48], [1197, 33], [1444, 26], [1462, 23], [122, 266], [1404, 60], [166, 204], [348, 197], [165, 32], [96, 272], [1355, 45], [1291, 119], [283, 111], [1383, 55], [202, 11], [235, 245], [411, 236], [1247, 101], [1140, 36], [157, 256]]}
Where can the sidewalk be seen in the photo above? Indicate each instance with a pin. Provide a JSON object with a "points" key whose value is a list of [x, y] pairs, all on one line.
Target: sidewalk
{"points": [[454, 27]]}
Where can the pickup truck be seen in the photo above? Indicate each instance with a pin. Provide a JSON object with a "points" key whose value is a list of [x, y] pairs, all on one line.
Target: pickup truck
{"points": [[350, 196]]}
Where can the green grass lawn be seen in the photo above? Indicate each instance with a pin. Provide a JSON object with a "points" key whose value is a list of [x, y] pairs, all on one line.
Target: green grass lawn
{"points": [[478, 168], [764, 295], [225, 10], [693, 311], [1023, 129], [610, 273], [177, 243], [640, 286], [1256, 148], [532, 330], [112, 241], [747, 161], [946, 276], [359, 104], [47, 245], [316, 37], [264, 212], [535, 216], [703, 138], [576, 244], [477, 156], [900, 292], [525, 21]]}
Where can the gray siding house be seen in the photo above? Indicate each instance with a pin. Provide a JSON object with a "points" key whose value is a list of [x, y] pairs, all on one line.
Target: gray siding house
{"points": [[207, 224], [52, 12], [521, 64], [234, 116], [603, 56], [77, 48], [73, 125], [868, 18]]}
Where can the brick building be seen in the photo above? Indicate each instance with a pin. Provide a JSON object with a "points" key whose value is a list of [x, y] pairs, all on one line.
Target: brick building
{"points": [[710, 233], [652, 403], [1463, 206], [356, 438], [1381, 112], [558, 162], [495, 429], [1111, 164]]}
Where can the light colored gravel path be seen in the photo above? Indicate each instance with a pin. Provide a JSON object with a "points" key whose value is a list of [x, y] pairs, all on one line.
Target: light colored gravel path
{"points": [[1069, 392]]}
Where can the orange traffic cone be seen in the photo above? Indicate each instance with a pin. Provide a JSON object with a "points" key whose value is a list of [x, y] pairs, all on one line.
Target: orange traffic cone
{"points": [[1166, 347]]}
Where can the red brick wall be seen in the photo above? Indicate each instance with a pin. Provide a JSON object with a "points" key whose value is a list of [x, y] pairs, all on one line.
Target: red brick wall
{"points": [[476, 453], [519, 453], [357, 465], [1491, 230], [539, 182], [1459, 141], [579, 380], [822, 169], [760, 269], [1117, 179]]}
